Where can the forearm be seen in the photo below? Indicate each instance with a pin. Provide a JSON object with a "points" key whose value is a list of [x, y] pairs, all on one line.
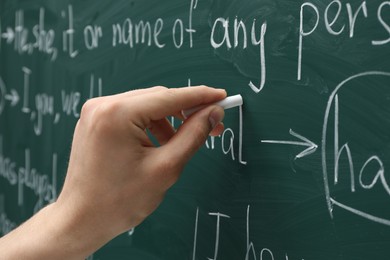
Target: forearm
{"points": [[116, 176], [50, 234]]}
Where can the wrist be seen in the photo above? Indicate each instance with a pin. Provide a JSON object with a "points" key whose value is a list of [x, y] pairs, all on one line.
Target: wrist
{"points": [[75, 234], [53, 233]]}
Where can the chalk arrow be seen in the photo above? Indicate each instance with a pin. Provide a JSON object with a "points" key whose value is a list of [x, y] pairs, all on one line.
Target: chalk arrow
{"points": [[13, 97], [311, 147], [9, 35]]}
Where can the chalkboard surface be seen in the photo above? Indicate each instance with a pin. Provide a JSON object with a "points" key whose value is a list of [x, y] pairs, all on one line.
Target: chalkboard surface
{"points": [[301, 171]]}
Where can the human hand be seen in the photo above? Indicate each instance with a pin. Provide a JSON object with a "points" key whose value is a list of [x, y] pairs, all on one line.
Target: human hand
{"points": [[116, 176]]}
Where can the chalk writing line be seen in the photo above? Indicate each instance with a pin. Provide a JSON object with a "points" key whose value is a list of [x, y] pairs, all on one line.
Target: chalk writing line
{"points": [[312, 147], [333, 100], [361, 213]]}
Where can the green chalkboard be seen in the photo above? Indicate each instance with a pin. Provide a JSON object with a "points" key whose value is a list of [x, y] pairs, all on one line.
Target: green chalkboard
{"points": [[302, 169]]}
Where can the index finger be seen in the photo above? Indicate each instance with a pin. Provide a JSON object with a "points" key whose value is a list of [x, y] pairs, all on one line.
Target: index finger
{"points": [[169, 102]]}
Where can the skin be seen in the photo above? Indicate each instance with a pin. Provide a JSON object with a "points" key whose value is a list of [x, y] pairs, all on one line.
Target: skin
{"points": [[116, 176]]}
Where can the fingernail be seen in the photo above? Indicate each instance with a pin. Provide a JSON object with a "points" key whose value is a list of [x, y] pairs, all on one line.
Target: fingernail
{"points": [[216, 116], [222, 90]]}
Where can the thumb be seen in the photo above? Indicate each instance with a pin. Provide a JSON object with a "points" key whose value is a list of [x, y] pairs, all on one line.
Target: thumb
{"points": [[193, 134]]}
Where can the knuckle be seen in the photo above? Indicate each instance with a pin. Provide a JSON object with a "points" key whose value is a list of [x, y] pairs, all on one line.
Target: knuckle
{"points": [[88, 108], [107, 109], [103, 116], [171, 92], [98, 115], [159, 88], [203, 89]]}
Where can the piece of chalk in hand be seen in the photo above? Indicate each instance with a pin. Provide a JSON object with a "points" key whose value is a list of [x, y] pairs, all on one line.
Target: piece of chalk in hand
{"points": [[229, 102]]}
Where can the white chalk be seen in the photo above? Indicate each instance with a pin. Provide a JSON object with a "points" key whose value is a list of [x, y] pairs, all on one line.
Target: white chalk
{"points": [[229, 102]]}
